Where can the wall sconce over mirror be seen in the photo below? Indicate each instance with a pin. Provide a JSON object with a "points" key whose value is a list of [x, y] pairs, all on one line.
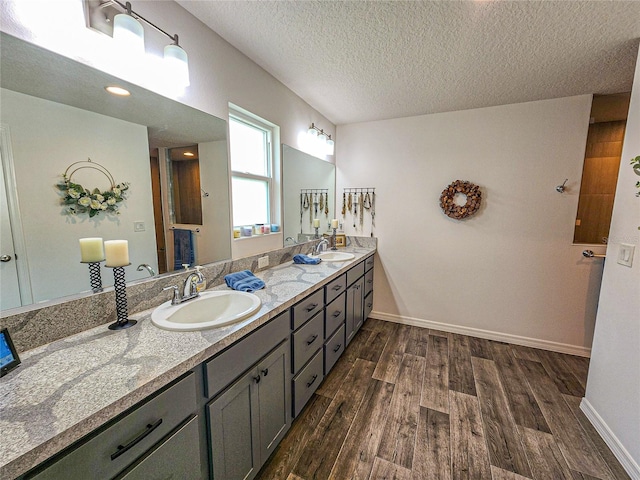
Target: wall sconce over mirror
{"points": [[321, 141], [121, 22]]}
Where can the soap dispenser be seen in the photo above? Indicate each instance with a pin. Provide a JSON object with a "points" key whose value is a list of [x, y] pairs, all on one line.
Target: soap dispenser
{"points": [[201, 283]]}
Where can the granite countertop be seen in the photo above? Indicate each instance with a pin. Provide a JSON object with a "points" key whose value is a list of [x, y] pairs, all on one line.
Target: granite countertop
{"points": [[66, 389]]}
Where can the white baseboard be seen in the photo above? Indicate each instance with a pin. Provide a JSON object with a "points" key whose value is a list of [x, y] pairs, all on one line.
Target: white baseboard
{"points": [[621, 453], [488, 334]]}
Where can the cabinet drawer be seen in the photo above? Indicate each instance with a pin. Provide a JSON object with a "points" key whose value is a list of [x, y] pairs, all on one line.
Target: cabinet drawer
{"points": [[368, 263], [368, 282], [333, 349], [307, 308], [368, 305], [335, 288], [355, 273], [120, 444], [178, 456], [334, 315], [306, 382], [223, 369], [307, 341]]}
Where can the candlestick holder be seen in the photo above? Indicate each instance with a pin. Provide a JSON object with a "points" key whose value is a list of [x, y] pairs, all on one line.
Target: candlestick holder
{"points": [[95, 280], [120, 287], [317, 235], [333, 239]]}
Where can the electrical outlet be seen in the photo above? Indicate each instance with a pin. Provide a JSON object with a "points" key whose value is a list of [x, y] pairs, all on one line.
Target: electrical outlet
{"points": [[263, 262], [138, 227]]}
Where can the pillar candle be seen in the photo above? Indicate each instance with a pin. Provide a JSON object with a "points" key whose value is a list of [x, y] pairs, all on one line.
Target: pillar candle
{"points": [[91, 250], [316, 223], [117, 253], [334, 223]]}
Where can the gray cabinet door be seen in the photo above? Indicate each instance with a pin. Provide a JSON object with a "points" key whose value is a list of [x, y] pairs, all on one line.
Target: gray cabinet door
{"points": [[248, 420], [274, 399], [233, 426], [355, 314], [177, 457]]}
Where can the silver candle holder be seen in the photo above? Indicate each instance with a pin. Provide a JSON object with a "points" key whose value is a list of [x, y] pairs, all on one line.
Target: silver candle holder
{"points": [[333, 239]]}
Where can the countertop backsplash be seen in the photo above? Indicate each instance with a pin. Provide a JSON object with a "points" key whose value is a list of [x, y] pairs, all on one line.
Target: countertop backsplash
{"points": [[35, 325]]}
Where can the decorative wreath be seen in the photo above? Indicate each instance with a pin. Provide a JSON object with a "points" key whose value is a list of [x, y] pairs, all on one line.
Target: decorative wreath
{"points": [[78, 199], [451, 208]]}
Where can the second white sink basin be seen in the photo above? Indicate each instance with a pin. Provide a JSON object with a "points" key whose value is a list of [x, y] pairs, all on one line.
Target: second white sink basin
{"points": [[209, 310], [332, 256]]}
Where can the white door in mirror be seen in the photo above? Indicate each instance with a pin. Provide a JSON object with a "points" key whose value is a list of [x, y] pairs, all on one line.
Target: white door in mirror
{"points": [[210, 310]]}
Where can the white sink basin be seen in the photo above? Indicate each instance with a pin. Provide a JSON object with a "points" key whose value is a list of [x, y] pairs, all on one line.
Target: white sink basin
{"points": [[331, 256], [209, 310]]}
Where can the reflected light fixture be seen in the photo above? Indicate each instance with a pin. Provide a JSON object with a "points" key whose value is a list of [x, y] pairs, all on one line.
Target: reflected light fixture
{"points": [[121, 92], [124, 24], [321, 140]]}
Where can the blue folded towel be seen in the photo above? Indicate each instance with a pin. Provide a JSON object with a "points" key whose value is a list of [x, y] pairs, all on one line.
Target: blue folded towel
{"points": [[306, 259], [244, 281]]}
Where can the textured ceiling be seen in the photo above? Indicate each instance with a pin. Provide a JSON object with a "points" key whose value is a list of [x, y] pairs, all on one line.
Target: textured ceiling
{"points": [[365, 60]]}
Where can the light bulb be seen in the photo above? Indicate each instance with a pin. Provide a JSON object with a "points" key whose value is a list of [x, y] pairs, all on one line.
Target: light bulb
{"points": [[177, 64], [128, 32], [330, 147]]}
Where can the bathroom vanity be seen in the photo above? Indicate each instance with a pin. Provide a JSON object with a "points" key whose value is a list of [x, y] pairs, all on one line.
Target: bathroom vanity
{"points": [[145, 402]]}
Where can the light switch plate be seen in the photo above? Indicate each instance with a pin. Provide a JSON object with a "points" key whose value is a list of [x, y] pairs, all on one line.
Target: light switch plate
{"points": [[625, 254], [263, 262], [138, 227]]}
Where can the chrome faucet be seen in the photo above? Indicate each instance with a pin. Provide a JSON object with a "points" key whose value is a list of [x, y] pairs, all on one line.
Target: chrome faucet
{"points": [[189, 288], [321, 246], [151, 271]]}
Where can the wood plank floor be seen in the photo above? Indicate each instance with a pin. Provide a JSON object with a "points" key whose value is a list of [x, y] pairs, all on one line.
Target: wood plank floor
{"points": [[409, 403]]}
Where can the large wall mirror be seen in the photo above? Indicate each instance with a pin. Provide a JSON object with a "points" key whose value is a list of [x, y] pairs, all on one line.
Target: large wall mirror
{"points": [[55, 112], [309, 185]]}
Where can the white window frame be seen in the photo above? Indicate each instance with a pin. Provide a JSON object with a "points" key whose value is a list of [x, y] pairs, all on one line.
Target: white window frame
{"points": [[272, 138]]}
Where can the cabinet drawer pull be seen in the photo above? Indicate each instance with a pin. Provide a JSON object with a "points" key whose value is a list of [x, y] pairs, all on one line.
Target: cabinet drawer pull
{"points": [[369, 305], [265, 372], [123, 448], [337, 347], [312, 339], [313, 379], [336, 288], [337, 313], [256, 379], [311, 307], [370, 281]]}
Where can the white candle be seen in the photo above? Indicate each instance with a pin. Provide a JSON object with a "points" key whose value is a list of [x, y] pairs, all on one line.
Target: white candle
{"points": [[117, 253], [91, 250], [334, 223], [316, 223]]}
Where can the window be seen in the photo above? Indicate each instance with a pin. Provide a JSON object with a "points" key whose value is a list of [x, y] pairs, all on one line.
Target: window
{"points": [[252, 165]]}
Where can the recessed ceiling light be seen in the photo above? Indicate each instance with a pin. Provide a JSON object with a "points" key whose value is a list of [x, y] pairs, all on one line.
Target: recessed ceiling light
{"points": [[118, 91], [188, 154]]}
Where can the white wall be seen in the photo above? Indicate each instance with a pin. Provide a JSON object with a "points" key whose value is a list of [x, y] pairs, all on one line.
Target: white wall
{"points": [[510, 271], [219, 72], [46, 138], [612, 401]]}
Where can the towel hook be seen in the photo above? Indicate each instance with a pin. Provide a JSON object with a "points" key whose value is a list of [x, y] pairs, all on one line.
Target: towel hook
{"points": [[562, 188]]}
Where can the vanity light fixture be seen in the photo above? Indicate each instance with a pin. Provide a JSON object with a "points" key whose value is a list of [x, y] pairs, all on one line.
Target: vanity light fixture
{"points": [[121, 92], [189, 154], [124, 25], [323, 140]]}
